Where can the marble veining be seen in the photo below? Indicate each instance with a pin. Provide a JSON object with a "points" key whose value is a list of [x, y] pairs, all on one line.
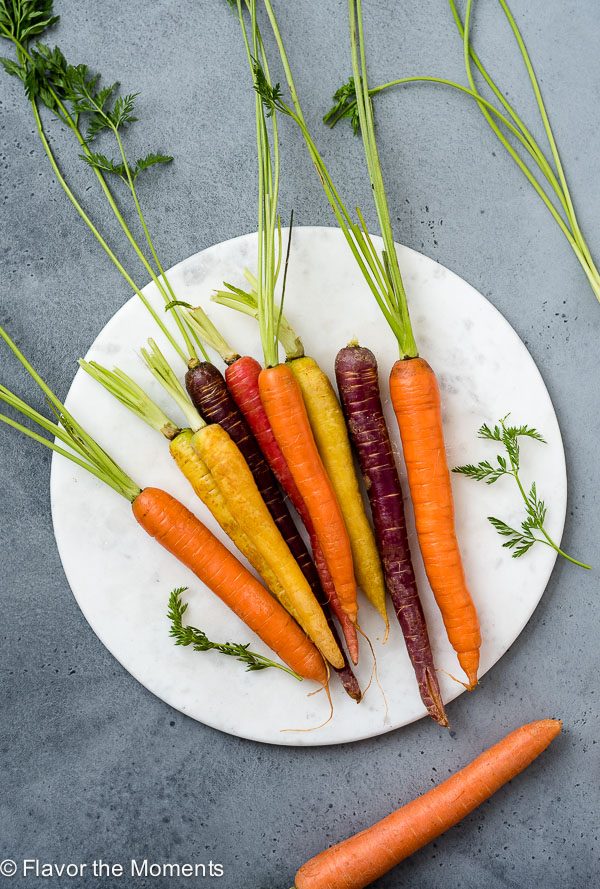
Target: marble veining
{"points": [[121, 578]]}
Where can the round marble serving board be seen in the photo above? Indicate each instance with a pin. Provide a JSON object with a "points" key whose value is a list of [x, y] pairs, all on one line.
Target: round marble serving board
{"points": [[121, 578]]}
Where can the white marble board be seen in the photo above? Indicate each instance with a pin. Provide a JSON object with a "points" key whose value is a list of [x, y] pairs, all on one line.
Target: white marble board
{"points": [[121, 578]]}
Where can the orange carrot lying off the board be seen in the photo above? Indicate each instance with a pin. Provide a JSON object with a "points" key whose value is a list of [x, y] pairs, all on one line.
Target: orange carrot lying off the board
{"points": [[364, 858]]}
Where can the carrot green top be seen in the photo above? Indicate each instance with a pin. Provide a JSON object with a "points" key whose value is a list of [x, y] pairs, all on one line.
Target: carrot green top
{"points": [[381, 271], [73, 95], [83, 449], [269, 222], [544, 172]]}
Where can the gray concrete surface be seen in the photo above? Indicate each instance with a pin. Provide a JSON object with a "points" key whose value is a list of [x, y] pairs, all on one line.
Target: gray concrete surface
{"points": [[91, 765]]}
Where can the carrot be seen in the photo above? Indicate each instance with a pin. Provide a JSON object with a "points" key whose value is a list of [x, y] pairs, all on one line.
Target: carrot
{"points": [[285, 408], [329, 428], [416, 401], [362, 859], [241, 378], [327, 422], [358, 384], [183, 535], [381, 271], [242, 381], [207, 389], [235, 480], [132, 396], [174, 526], [199, 476]]}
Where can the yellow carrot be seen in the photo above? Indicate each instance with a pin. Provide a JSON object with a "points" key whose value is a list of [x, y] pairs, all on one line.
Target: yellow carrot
{"points": [[198, 475], [233, 477], [329, 428]]}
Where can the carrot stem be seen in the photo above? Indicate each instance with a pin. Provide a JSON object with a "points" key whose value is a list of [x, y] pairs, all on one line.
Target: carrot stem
{"points": [[88, 453]]}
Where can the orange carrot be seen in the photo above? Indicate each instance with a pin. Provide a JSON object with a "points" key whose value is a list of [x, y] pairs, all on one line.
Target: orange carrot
{"points": [[183, 535], [358, 861], [381, 271], [284, 405], [416, 401], [173, 526]]}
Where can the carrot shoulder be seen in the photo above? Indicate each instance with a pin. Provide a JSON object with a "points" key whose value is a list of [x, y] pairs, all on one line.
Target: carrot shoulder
{"points": [[284, 405], [358, 861], [416, 401], [182, 534]]}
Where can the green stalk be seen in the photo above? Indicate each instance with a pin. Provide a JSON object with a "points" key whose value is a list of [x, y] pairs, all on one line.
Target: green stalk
{"points": [[529, 138], [245, 301], [72, 124], [269, 230], [88, 453], [548, 129], [69, 455], [591, 272], [205, 330], [526, 133], [397, 297], [159, 367], [132, 396], [84, 216], [346, 109], [357, 238], [168, 294], [66, 117], [346, 106]]}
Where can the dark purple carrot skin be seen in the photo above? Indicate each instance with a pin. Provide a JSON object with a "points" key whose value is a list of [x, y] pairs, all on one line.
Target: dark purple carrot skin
{"points": [[208, 391], [358, 384]]}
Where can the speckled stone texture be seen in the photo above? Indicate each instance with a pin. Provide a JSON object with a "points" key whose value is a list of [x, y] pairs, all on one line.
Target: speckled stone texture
{"points": [[91, 764]]}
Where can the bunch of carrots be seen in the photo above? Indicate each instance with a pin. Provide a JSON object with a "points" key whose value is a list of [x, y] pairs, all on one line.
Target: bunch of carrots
{"points": [[258, 435]]}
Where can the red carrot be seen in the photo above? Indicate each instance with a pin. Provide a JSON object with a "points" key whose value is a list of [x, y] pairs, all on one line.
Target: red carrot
{"points": [[358, 384], [242, 381]]}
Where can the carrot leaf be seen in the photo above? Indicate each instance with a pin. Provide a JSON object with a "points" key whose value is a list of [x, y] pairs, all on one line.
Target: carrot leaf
{"points": [[187, 635], [21, 20], [161, 370], [72, 93], [543, 170], [132, 396], [83, 449], [520, 540]]}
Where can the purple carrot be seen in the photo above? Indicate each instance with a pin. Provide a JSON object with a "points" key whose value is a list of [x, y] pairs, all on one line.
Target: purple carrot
{"points": [[208, 391], [358, 384]]}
